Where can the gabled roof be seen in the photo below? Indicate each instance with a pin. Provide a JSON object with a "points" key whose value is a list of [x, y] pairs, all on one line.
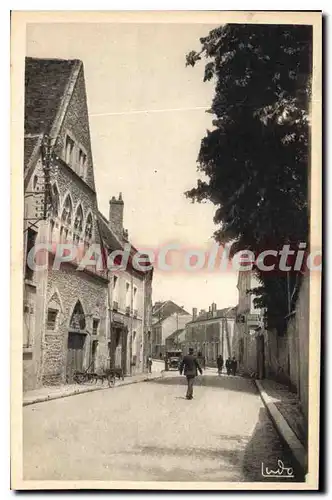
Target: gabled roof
{"points": [[175, 334], [45, 84], [166, 309]]}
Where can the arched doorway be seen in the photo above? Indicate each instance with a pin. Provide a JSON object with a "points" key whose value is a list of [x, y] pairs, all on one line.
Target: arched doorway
{"points": [[76, 342]]}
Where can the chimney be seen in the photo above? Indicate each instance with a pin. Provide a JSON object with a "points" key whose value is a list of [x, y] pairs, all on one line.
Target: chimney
{"points": [[194, 313], [116, 215], [214, 309]]}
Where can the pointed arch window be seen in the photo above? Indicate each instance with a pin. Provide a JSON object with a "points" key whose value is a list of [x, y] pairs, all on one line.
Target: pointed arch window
{"points": [[67, 211], [82, 159], [77, 320], [88, 229], [78, 224]]}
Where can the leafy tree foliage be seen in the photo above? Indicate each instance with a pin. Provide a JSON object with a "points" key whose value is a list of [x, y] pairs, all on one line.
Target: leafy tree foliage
{"points": [[255, 158]]}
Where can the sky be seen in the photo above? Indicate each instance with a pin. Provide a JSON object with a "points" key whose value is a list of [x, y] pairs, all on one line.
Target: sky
{"points": [[147, 118]]}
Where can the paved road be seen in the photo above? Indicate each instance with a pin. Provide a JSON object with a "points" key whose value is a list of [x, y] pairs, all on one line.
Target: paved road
{"points": [[150, 432]]}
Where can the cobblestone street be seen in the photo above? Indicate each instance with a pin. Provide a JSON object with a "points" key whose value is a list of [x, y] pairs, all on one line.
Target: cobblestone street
{"points": [[149, 432]]}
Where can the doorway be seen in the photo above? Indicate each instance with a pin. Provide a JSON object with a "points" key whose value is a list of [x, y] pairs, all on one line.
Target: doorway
{"points": [[75, 351]]}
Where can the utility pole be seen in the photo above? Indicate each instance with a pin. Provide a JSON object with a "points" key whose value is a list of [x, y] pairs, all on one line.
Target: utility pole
{"points": [[42, 209]]}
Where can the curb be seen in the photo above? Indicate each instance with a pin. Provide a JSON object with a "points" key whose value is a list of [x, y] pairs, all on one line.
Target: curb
{"points": [[286, 432], [51, 397]]}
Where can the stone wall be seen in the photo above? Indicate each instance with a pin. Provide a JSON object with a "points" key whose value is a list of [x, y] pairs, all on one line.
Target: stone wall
{"points": [[68, 286], [76, 122], [287, 356]]}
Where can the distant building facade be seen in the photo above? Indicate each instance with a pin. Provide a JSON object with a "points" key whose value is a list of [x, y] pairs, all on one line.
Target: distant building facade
{"points": [[211, 333], [167, 317]]}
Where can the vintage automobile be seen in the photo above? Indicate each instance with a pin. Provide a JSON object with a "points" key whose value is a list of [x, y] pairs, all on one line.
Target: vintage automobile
{"points": [[173, 360]]}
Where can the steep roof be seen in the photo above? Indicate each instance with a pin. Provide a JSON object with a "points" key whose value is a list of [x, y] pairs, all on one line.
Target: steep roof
{"points": [[107, 234], [45, 84], [30, 146], [112, 241], [175, 334], [166, 309]]}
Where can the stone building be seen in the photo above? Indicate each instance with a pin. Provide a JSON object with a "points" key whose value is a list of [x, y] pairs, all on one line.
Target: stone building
{"points": [[67, 311], [167, 317], [211, 333]]}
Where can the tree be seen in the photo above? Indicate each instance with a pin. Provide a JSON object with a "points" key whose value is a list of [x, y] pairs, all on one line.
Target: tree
{"points": [[256, 156]]}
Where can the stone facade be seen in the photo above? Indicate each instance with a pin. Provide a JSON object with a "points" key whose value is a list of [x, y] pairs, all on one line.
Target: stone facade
{"points": [[76, 125], [69, 319]]}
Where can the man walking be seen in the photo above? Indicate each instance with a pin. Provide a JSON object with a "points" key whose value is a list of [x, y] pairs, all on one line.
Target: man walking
{"points": [[220, 364], [190, 366], [149, 364], [228, 365], [234, 366]]}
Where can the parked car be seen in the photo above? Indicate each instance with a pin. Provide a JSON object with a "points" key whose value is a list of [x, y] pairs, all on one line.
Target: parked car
{"points": [[173, 360]]}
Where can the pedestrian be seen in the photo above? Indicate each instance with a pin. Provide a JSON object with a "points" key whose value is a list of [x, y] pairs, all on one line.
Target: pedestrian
{"points": [[220, 364], [228, 365], [201, 360], [189, 367], [149, 364], [234, 365]]}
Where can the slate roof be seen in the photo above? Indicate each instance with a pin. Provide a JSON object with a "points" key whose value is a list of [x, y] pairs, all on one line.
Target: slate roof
{"points": [[45, 84], [30, 143], [107, 235]]}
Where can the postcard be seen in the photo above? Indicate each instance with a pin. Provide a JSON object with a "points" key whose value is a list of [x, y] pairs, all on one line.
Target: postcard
{"points": [[166, 250]]}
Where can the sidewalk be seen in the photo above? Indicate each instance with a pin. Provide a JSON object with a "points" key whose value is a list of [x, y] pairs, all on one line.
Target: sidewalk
{"points": [[285, 411], [63, 391]]}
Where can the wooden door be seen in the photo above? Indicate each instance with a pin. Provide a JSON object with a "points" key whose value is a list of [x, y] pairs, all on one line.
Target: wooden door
{"points": [[75, 354]]}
